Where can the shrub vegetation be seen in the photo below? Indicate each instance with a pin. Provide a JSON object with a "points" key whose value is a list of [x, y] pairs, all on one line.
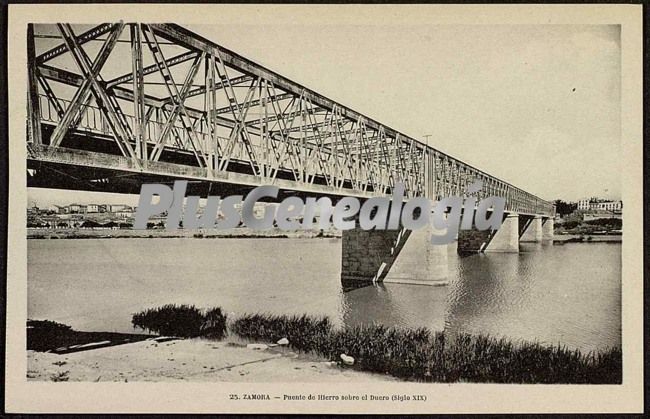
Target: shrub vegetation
{"points": [[182, 321], [419, 354], [214, 324], [411, 354]]}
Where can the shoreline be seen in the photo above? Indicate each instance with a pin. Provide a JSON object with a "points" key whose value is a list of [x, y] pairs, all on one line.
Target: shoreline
{"points": [[587, 238], [263, 347], [244, 233], [238, 233]]}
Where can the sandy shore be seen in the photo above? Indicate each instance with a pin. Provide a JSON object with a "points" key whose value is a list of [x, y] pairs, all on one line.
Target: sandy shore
{"points": [[190, 360]]}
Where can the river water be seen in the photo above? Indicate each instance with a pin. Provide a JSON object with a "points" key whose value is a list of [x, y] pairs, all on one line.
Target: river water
{"points": [[568, 294]]}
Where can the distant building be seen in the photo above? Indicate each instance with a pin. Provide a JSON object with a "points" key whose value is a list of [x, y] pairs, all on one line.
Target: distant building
{"points": [[609, 205], [92, 208], [76, 208], [53, 209], [115, 207], [599, 204], [125, 213]]}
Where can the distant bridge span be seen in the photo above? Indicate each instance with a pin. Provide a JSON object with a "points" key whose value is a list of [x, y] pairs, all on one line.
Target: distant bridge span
{"points": [[115, 105]]}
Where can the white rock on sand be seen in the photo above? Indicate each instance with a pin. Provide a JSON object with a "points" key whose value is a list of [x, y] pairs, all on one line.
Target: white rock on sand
{"points": [[347, 360]]}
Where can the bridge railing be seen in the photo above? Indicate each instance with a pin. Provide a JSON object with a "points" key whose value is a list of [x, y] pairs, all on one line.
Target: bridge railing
{"points": [[92, 120]]}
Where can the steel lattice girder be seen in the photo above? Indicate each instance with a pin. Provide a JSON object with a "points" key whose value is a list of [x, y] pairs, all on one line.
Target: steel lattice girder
{"points": [[307, 134]]}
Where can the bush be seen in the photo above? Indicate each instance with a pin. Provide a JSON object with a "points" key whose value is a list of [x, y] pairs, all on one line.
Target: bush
{"points": [[182, 321], [170, 319], [615, 223], [45, 334], [214, 324], [568, 225], [304, 332]]}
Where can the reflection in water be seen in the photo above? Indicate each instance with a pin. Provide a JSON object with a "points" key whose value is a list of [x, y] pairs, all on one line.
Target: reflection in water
{"points": [[568, 294], [395, 304]]}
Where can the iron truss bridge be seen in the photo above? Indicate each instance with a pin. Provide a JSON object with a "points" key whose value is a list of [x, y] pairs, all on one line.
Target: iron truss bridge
{"points": [[118, 101]]}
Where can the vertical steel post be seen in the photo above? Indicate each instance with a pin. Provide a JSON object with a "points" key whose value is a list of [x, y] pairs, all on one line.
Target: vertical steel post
{"points": [[138, 92], [33, 104], [213, 112], [262, 121], [302, 153]]}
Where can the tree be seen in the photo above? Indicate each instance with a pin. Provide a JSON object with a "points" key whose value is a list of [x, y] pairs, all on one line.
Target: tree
{"points": [[564, 208], [570, 225]]}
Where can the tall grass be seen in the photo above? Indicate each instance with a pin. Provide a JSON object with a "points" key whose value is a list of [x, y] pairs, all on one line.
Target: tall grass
{"points": [[418, 354], [305, 333], [411, 354]]}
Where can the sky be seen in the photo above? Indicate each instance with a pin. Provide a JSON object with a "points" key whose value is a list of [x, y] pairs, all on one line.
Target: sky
{"points": [[535, 105]]}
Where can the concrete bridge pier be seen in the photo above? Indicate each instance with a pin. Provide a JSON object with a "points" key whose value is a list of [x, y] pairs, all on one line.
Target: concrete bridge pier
{"points": [[533, 231], [504, 240], [367, 255], [548, 229], [420, 261], [408, 256], [398, 256]]}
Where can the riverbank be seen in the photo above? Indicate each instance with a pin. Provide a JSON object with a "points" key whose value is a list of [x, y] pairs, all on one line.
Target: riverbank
{"points": [[241, 232], [45, 335], [593, 238], [423, 355], [196, 359], [262, 347], [244, 233]]}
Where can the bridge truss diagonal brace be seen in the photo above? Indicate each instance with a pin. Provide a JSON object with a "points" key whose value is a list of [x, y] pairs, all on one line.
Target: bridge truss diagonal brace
{"points": [[239, 114], [91, 73], [107, 103], [81, 40], [178, 109], [83, 92]]}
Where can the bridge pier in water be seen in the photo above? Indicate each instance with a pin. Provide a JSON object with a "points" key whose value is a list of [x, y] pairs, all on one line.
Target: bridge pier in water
{"points": [[532, 231], [539, 229], [504, 240], [368, 255], [419, 261], [548, 229], [396, 256], [409, 257], [516, 228]]}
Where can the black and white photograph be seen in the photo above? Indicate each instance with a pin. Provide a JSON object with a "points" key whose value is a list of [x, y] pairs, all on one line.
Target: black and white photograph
{"points": [[311, 208]]}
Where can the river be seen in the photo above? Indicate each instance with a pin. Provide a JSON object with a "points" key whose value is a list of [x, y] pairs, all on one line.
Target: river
{"points": [[568, 294]]}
